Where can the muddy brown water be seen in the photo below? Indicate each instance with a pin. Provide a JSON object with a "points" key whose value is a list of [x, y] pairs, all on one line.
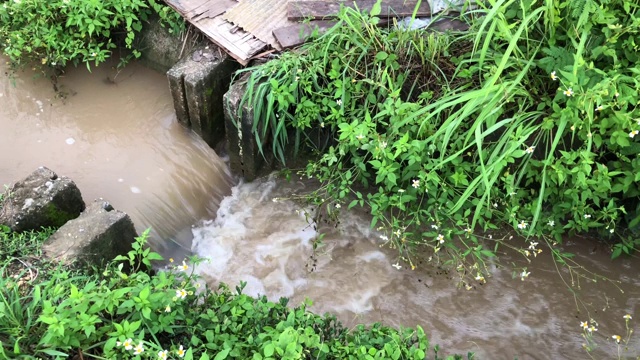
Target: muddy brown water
{"points": [[120, 141]]}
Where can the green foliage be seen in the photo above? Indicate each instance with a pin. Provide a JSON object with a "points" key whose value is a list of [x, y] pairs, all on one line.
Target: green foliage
{"points": [[528, 119], [137, 315], [61, 32], [18, 245]]}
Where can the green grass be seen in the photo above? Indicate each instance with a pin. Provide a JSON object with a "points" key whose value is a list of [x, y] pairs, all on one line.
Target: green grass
{"points": [[50, 312], [526, 121]]}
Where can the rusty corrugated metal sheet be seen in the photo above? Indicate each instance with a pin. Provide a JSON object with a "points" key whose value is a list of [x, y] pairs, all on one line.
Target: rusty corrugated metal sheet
{"points": [[206, 15], [260, 18]]}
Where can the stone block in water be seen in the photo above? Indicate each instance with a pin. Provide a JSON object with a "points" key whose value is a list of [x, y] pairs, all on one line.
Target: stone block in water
{"points": [[41, 199], [97, 236]]}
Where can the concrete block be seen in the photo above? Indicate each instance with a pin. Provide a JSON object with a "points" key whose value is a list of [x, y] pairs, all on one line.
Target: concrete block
{"points": [[96, 237], [198, 83], [244, 155], [40, 199]]}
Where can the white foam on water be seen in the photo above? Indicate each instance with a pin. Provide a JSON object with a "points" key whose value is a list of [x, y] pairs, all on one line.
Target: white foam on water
{"points": [[70, 141], [269, 245], [255, 240]]}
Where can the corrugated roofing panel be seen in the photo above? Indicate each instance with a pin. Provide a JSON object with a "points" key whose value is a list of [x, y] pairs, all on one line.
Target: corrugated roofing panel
{"points": [[260, 18]]}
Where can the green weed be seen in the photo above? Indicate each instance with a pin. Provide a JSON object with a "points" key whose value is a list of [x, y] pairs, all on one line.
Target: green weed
{"points": [[172, 314], [527, 120], [61, 32]]}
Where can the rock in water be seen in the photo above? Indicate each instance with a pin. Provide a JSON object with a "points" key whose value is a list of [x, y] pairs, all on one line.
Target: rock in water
{"points": [[40, 199], [97, 236]]}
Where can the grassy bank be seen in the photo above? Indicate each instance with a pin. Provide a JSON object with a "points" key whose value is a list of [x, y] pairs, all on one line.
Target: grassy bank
{"points": [[528, 121], [49, 311], [58, 33]]}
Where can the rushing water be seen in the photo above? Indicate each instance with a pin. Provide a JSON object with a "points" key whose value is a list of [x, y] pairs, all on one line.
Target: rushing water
{"points": [[117, 139], [121, 141]]}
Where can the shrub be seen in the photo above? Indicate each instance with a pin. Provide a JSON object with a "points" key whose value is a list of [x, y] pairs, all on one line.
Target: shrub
{"points": [[529, 120], [61, 32], [138, 315]]}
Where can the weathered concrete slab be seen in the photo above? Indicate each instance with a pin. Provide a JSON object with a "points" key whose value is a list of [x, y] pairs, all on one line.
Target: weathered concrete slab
{"points": [[244, 155], [160, 48], [198, 84], [97, 236], [40, 199]]}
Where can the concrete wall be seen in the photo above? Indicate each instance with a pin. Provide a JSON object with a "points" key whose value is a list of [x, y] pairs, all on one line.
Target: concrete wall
{"points": [[198, 82]]}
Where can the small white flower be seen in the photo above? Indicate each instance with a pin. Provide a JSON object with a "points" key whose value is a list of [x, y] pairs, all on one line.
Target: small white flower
{"points": [[587, 216], [360, 137], [322, 124], [162, 355], [416, 184], [568, 92], [400, 190], [183, 267], [530, 149], [533, 245], [495, 205], [553, 76], [612, 231], [94, 54], [584, 325], [397, 266], [180, 351], [599, 108], [627, 317], [338, 206], [524, 274], [181, 294], [551, 223], [434, 226], [634, 133], [139, 349], [339, 102], [383, 145], [617, 338], [384, 237], [522, 225], [617, 94], [440, 238], [128, 344], [275, 199]]}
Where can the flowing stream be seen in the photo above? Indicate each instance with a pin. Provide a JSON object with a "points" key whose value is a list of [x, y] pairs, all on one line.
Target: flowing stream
{"points": [[119, 139]]}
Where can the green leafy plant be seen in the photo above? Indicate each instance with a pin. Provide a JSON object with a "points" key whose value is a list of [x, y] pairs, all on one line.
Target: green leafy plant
{"points": [[170, 315], [61, 32], [516, 122]]}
